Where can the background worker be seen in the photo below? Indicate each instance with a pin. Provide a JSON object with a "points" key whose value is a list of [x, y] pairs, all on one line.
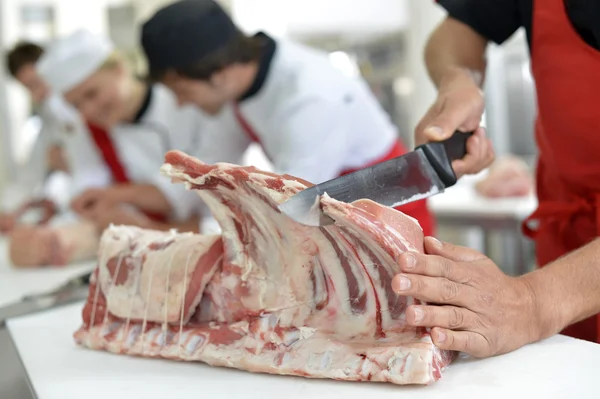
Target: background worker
{"points": [[310, 119]]}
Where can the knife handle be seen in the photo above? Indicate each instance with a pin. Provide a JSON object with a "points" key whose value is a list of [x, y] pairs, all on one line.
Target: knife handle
{"points": [[441, 154]]}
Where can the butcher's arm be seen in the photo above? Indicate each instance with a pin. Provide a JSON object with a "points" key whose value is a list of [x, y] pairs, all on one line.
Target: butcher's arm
{"points": [[146, 197], [455, 49], [57, 160], [566, 291]]}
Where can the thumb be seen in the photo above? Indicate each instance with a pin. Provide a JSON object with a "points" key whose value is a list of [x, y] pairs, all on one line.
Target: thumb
{"points": [[450, 251]]}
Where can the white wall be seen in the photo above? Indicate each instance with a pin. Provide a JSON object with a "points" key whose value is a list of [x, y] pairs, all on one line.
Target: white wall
{"points": [[424, 16], [298, 17], [146, 8]]}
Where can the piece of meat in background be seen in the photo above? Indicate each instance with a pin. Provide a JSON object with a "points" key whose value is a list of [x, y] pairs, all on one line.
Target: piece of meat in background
{"points": [[509, 176]]}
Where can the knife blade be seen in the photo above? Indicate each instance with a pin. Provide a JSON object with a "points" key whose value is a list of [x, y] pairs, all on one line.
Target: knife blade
{"points": [[419, 174], [74, 290]]}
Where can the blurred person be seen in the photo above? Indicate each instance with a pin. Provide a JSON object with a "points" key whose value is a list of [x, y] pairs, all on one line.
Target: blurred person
{"points": [[47, 155], [116, 162], [132, 124], [311, 120]]}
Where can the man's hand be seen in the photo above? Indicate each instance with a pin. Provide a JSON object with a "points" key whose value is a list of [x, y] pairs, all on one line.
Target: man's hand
{"points": [[92, 200], [459, 106], [472, 306], [8, 221], [119, 215]]}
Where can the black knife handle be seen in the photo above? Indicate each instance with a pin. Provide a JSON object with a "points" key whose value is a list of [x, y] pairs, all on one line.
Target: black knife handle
{"points": [[441, 154]]}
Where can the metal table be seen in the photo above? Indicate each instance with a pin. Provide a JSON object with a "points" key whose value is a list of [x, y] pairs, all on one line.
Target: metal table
{"points": [[461, 207]]}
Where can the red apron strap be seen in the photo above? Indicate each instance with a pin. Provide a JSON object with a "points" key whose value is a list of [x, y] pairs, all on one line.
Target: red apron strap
{"points": [[247, 128], [394, 152], [111, 159], [244, 124], [108, 152]]}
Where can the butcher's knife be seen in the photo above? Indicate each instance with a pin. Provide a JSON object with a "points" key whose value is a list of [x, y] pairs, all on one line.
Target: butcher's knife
{"points": [[74, 290], [419, 174]]}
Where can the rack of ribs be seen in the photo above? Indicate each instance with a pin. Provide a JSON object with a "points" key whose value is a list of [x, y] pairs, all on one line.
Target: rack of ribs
{"points": [[267, 295]]}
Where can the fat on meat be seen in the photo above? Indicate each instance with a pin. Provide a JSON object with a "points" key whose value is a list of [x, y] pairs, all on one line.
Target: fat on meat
{"points": [[268, 295]]}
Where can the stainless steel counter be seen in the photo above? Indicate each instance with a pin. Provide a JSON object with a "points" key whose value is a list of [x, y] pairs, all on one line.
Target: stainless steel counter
{"points": [[14, 383]]}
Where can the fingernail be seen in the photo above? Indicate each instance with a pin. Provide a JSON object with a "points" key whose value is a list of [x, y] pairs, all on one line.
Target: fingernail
{"points": [[437, 244], [441, 336], [435, 131], [419, 314], [403, 283], [409, 261]]}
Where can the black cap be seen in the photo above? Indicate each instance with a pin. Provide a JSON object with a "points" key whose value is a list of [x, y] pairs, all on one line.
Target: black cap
{"points": [[185, 32]]}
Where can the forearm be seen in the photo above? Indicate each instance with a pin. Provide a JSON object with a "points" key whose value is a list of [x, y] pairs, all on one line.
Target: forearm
{"points": [[145, 197], [454, 48], [566, 291]]}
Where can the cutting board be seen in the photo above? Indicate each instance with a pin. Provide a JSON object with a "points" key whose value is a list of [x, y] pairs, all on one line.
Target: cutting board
{"points": [[559, 367]]}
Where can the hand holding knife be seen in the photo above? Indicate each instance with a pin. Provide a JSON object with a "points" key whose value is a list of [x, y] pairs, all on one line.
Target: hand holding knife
{"points": [[419, 174]]}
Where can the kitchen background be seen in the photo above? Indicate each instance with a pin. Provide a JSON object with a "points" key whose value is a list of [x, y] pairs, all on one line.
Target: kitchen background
{"points": [[380, 39]]}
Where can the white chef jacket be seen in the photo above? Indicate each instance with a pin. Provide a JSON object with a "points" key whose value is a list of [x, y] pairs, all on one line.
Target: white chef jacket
{"points": [[141, 147], [57, 117], [312, 120]]}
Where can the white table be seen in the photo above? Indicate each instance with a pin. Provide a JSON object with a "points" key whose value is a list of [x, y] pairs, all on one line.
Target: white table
{"points": [[15, 283], [556, 368], [461, 206]]}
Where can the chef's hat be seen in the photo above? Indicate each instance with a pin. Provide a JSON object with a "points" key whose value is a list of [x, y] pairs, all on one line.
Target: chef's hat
{"points": [[70, 60]]}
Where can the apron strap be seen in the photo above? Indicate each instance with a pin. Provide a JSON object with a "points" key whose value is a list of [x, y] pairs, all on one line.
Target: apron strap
{"points": [[111, 159], [395, 151], [108, 152], [557, 212], [244, 123]]}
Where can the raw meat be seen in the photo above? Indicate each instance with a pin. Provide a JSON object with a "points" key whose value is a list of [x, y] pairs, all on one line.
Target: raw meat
{"points": [[508, 177], [32, 246], [283, 298]]}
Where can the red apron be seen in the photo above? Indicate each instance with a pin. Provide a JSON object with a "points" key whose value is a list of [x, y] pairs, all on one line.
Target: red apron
{"points": [[109, 154], [566, 72], [417, 209]]}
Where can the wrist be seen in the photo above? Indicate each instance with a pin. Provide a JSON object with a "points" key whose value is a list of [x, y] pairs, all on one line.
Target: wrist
{"points": [[544, 320], [464, 75]]}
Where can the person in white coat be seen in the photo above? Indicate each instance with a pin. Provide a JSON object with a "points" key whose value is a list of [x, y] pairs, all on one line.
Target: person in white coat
{"points": [[131, 123], [115, 162], [311, 120], [47, 155]]}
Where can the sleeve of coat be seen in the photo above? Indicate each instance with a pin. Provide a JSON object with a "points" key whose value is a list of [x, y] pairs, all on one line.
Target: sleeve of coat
{"points": [[496, 20], [312, 141]]}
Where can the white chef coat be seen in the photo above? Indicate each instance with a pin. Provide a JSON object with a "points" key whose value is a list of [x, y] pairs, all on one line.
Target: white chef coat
{"points": [[141, 147], [57, 117], [312, 120]]}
